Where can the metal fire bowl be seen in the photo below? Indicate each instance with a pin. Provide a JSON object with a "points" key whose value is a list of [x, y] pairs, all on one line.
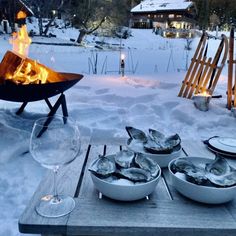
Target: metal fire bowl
{"points": [[33, 92]]}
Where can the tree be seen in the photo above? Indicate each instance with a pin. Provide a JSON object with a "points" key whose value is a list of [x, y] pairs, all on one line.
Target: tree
{"points": [[44, 8]]}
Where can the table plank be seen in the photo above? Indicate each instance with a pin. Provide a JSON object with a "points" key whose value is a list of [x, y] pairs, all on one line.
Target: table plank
{"points": [[96, 217], [67, 179], [87, 187], [166, 176]]}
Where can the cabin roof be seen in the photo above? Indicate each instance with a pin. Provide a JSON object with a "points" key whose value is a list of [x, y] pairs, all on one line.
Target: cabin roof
{"points": [[161, 5]]}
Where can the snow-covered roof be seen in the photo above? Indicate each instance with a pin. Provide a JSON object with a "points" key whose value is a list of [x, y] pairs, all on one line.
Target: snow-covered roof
{"points": [[161, 5]]}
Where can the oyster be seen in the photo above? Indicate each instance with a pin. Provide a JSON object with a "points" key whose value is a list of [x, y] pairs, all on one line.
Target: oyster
{"points": [[156, 135], [218, 167], [136, 134], [158, 143], [153, 147], [124, 158], [182, 165], [147, 163], [135, 174], [226, 180], [173, 140], [103, 166], [196, 175]]}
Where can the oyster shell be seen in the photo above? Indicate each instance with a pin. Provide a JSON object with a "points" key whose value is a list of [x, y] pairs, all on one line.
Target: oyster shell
{"points": [[182, 165], [135, 174], [226, 180], [103, 166], [147, 163], [173, 140], [156, 135], [196, 175], [124, 158], [218, 167], [153, 147], [136, 134], [157, 143]]}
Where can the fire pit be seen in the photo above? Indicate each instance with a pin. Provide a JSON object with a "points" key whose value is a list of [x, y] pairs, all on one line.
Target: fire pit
{"points": [[25, 80], [15, 91]]}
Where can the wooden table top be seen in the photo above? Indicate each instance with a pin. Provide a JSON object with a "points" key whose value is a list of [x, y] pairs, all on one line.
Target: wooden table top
{"points": [[165, 213]]}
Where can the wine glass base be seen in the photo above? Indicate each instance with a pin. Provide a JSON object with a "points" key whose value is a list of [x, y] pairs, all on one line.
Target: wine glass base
{"points": [[48, 207]]}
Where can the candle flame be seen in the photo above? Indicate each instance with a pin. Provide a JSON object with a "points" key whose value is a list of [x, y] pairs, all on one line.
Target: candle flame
{"points": [[122, 57]]}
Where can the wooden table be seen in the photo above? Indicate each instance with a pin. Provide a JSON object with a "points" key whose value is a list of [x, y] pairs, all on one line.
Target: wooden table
{"points": [[165, 213]]}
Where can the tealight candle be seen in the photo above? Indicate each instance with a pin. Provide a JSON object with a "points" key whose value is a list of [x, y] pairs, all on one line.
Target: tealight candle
{"points": [[201, 101]]}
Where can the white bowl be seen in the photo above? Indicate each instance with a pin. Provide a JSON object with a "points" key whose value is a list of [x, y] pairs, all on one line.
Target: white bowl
{"points": [[125, 192], [161, 159], [199, 193]]}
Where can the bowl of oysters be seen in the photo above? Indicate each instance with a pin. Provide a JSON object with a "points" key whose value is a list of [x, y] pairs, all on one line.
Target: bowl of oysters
{"points": [[204, 180], [125, 176], [154, 145]]}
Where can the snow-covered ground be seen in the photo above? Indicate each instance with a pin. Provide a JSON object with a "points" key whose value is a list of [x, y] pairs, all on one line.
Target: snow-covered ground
{"points": [[105, 103]]}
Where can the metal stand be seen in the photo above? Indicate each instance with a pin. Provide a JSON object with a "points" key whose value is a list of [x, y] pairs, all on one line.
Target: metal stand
{"points": [[61, 101]]}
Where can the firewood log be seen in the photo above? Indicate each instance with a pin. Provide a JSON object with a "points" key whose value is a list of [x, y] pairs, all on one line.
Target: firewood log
{"points": [[13, 62]]}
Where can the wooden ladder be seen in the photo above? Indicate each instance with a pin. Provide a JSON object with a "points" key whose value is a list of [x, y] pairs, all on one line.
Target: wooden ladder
{"points": [[231, 92], [203, 73]]}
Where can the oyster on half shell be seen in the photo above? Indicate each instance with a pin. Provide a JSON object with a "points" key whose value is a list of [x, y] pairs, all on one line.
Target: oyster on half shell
{"points": [[182, 165], [226, 180], [124, 158], [135, 174], [147, 163], [218, 167], [104, 166], [136, 134]]}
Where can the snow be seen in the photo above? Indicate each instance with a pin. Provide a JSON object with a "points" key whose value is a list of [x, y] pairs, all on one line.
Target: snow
{"points": [[104, 104], [161, 5]]}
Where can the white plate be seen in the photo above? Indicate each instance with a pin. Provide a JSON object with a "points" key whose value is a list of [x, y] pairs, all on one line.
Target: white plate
{"points": [[224, 144], [161, 159], [204, 194], [226, 154]]}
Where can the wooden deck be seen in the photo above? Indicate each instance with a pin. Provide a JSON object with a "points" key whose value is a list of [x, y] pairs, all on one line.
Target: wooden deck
{"points": [[165, 213]]}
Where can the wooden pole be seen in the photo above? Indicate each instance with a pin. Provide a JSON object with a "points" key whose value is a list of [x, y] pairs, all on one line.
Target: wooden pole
{"points": [[230, 69]]}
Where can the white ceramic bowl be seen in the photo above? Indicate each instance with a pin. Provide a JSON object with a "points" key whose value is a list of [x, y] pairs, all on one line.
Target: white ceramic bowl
{"points": [[203, 194], [161, 159], [124, 192]]}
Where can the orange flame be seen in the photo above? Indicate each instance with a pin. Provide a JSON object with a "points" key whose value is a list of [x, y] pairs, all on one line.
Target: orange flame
{"points": [[21, 41], [21, 15], [28, 71]]}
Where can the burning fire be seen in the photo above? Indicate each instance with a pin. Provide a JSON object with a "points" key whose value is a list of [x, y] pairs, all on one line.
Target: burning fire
{"points": [[21, 41], [27, 71]]}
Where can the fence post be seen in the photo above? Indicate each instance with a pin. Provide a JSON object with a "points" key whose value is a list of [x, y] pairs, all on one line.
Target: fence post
{"points": [[230, 70]]}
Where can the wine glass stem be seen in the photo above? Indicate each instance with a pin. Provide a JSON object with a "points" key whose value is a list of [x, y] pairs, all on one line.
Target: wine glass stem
{"points": [[56, 198]]}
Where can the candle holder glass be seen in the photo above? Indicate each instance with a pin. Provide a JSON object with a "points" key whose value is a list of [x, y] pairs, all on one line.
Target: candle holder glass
{"points": [[202, 101]]}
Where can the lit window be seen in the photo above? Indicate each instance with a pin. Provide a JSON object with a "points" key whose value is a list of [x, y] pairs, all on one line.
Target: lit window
{"points": [[171, 15], [178, 16]]}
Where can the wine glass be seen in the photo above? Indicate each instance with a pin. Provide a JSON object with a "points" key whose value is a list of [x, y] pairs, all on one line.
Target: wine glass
{"points": [[55, 141]]}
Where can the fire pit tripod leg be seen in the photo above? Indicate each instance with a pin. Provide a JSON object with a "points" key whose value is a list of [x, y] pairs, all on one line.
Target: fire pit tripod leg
{"points": [[61, 101], [21, 109]]}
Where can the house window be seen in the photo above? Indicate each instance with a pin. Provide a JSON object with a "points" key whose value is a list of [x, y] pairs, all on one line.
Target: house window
{"points": [[149, 15], [171, 15], [155, 16], [178, 16]]}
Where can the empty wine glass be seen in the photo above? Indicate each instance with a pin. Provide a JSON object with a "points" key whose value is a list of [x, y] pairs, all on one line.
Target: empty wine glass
{"points": [[55, 141]]}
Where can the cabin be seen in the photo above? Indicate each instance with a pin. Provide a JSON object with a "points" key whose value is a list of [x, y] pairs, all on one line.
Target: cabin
{"points": [[164, 14]]}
